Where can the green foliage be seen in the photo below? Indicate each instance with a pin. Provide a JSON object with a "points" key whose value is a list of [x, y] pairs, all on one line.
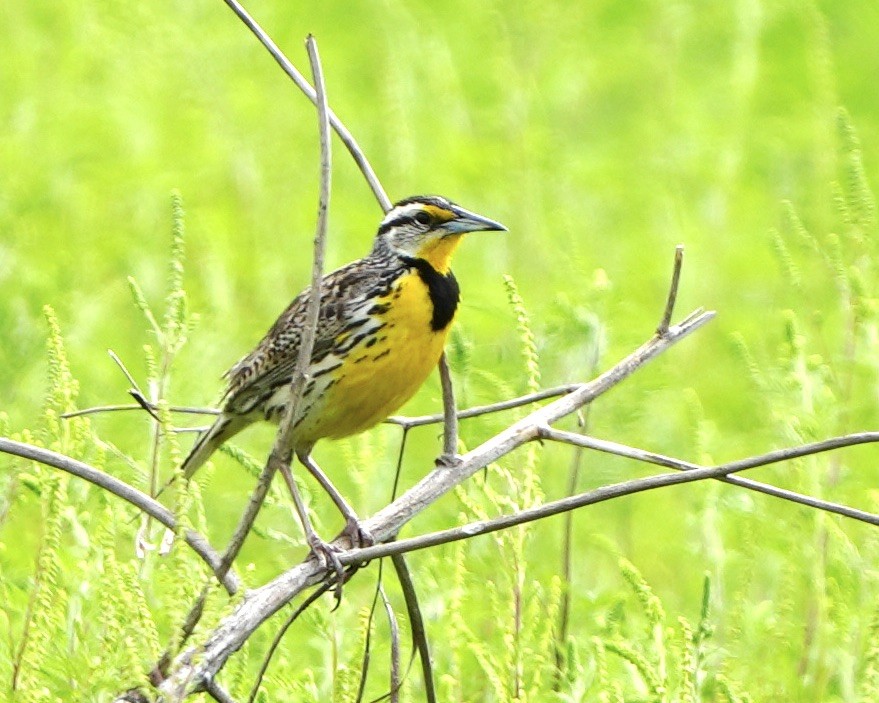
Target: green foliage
{"points": [[602, 134]]}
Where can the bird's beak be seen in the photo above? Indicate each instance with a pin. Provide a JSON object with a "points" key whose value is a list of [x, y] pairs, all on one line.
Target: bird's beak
{"points": [[466, 221]]}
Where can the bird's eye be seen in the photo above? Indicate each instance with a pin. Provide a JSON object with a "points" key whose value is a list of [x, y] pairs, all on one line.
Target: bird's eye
{"points": [[422, 218]]}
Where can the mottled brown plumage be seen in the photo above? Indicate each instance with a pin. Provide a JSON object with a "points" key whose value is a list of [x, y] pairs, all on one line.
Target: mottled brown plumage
{"points": [[382, 325]]}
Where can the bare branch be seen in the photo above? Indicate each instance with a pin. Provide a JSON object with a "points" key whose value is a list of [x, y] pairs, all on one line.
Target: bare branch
{"points": [[267, 658], [450, 415], [263, 602], [395, 646], [771, 458], [218, 693], [439, 482], [303, 85], [128, 493], [419, 420], [138, 406], [672, 291], [599, 495], [284, 441], [419, 632], [281, 454]]}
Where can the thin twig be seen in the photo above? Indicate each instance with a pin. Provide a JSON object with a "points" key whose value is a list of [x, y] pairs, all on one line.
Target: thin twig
{"points": [[583, 418], [279, 635], [281, 454], [450, 415], [218, 693], [124, 369], [672, 291], [608, 447], [401, 420], [311, 94], [561, 635], [420, 420], [394, 695], [128, 493], [367, 639], [144, 404], [419, 632], [138, 406], [617, 490], [242, 530]]}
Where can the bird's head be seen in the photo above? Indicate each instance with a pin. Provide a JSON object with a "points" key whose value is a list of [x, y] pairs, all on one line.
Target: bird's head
{"points": [[429, 227]]}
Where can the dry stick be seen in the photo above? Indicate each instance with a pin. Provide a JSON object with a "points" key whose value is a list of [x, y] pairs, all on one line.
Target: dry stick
{"points": [[139, 406], [281, 454], [263, 602], [608, 447], [128, 493], [450, 433], [567, 563], [317, 593], [561, 635], [401, 420], [311, 94], [218, 693], [602, 494], [420, 420], [673, 291], [568, 538], [367, 640], [450, 415], [245, 522], [419, 632], [395, 647], [313, 311]]}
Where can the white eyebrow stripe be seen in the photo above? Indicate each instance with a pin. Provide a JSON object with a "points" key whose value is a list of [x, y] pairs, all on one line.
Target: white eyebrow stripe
{"points": [[402, 212]]}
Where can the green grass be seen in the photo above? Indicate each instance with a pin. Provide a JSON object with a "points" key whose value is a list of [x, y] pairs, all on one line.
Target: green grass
{"points": [[602, 134]]}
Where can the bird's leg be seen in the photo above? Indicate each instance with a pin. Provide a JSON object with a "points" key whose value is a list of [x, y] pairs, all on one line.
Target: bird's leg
{"points": [[322, 550], [354, 529]]}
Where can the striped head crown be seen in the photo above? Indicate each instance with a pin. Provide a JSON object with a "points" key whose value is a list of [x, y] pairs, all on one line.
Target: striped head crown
{"points": [[417, 227]]}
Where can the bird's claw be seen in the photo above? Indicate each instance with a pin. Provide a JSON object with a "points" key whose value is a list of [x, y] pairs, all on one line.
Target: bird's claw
{"points": [[357, 533], [328, 557]]}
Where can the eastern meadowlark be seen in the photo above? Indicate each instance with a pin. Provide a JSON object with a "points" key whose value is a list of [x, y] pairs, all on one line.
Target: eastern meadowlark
{"points": [[382, 326]]}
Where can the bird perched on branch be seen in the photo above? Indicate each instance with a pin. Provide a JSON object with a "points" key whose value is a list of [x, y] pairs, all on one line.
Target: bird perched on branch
{"points": [[382, 325]]}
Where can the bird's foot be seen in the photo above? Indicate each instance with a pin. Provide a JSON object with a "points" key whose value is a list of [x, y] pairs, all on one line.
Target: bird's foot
{"points": [[357, 533], [327, 556], [448, 461]]}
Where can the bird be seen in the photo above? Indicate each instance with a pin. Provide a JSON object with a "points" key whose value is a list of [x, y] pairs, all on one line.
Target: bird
{"points": [[382, 325]]}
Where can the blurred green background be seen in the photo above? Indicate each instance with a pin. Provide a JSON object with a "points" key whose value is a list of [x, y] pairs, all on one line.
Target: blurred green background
{"points": [[602, 134]]}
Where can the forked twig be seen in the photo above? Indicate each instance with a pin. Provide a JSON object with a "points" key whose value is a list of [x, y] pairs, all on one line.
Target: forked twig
{"points": [[599, 495], [603, 445]]}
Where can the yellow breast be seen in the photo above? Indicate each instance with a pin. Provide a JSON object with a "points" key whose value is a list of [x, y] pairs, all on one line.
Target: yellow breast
{"points": [[384, 370]]}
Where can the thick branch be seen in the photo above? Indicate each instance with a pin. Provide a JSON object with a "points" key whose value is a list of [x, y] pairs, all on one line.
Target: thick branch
{"points": [[263, 602]]}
